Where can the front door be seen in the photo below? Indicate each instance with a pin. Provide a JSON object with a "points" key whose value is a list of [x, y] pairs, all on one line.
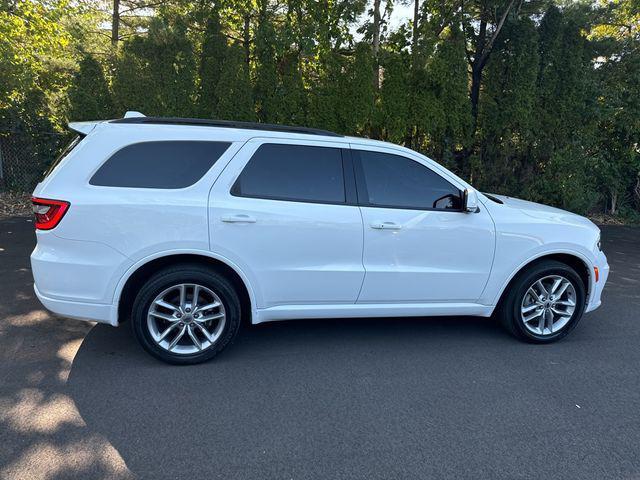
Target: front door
{"points": [[419, 246]]}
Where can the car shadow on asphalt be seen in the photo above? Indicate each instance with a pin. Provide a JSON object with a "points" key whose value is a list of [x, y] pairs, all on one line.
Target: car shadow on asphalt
{"points": [[279, 394]]}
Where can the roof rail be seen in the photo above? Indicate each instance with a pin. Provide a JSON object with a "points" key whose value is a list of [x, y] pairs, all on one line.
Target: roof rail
{"points": [[224, 124]]}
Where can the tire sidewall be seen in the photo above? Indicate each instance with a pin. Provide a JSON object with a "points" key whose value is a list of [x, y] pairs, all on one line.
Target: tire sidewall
{"points": [[164, 280], [522, 286]]}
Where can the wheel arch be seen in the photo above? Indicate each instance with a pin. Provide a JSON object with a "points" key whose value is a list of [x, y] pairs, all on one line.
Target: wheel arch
{"points": [[572, 259], [136, 276]]}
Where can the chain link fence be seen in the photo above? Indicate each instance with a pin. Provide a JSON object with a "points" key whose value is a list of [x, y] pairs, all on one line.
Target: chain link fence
{"points": [[24, 157]]}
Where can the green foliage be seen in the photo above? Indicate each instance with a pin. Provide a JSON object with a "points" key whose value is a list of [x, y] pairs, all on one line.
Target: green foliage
{"points": [[557, 118], [565, 181], [235, 98], [356, 95], [449, 125], [291, 92], [394, 106], [266, 73], [508, 110], [156, 74], [89, 94], [212, 57]]}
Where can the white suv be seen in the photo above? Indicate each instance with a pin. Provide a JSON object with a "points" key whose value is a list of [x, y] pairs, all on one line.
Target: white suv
{"points": [[187, 227]]}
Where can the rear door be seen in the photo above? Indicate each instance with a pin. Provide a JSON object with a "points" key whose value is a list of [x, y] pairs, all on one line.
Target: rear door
{"points": [[284, 211], [419, 246]]}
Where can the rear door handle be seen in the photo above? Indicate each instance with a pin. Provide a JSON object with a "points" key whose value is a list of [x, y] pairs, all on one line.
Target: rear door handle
{"points": [[386, 226], [238, 218]]}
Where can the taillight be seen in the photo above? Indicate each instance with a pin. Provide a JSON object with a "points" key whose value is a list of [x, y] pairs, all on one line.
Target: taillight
{"points": [[48, 212]]}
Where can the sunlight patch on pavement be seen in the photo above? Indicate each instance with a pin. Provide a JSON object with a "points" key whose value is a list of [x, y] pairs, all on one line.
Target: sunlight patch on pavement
{"points": [[28, 319], [33, 413], [92, 455], [66, 353]]}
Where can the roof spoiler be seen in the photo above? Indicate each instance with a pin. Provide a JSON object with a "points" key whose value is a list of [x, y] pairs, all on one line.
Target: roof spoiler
{"points": [[84, 128]]}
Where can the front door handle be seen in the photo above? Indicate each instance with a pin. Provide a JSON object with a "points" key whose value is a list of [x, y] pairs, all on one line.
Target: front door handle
{"points": [[238, 218], [386, 226]]}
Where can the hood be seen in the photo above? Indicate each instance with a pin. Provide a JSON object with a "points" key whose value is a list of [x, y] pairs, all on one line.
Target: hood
{"points": [[543, 212]]}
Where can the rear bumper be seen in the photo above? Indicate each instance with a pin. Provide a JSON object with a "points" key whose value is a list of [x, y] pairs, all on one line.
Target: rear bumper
{"points": [[595, 299], [75, 278], [95, 312]]}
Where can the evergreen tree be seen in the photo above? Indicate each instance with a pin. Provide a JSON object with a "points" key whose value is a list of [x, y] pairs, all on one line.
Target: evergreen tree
{"points": [[446, 101], [133, 85], [291, 92], [566, 115], [356, 92], [507, 118], [213, 54], [266, 71], [325, 93], [156, 74], [393, 108], [89, 95], [234, 88]]}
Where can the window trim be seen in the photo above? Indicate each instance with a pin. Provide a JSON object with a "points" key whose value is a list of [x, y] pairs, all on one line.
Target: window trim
{"points": [[363, 194], [348, 179]]}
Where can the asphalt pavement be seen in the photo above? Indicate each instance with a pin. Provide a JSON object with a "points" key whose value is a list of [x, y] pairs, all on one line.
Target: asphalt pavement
{"points": [[452, 397]]}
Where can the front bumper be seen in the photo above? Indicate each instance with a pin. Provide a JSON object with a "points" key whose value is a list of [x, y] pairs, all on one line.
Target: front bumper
{"points": [[595, 299]]}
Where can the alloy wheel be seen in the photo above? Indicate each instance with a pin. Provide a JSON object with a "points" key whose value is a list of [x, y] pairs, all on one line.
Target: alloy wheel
{"points": [[548, 305], [186, 318]]}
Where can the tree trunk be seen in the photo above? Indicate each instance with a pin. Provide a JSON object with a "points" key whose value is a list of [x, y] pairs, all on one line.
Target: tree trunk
{"points": [[416, 19], [376, 44], [614, 203], [482, 52], [476, 81], [476, 72], [115, 23], [246, 38]]}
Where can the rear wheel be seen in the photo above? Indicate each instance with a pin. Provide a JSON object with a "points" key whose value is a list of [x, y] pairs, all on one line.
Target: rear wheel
{"points": [[544, 303], [186, 314]]}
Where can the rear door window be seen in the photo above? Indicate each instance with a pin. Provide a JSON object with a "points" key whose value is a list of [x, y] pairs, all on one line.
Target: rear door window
{"points": [[163, 164], [302, 173]]}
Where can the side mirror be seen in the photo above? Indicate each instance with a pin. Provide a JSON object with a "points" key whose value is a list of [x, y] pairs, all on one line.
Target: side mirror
{"points": [[470, 201]]}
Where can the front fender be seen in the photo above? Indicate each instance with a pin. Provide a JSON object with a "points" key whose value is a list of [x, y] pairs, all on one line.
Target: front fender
{"points": [[507, 267]]}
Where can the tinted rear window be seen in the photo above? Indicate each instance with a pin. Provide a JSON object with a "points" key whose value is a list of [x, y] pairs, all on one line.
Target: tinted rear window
{"points": [[65, 151], [293, 172], [166, 164]]}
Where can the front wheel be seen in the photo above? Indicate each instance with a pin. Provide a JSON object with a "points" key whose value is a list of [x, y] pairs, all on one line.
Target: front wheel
{"points": [[186, 314], [544, 303]]}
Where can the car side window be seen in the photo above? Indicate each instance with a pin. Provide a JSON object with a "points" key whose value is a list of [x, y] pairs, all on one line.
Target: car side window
{"points": [[301, 173], [394, 181], [163, 164]]}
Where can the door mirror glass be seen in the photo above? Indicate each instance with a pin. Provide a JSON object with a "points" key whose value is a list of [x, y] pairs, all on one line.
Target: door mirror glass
{"points": [[470, 201]]}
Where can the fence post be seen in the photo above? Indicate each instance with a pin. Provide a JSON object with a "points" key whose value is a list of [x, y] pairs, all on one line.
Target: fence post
{"points": [[1, 167]]}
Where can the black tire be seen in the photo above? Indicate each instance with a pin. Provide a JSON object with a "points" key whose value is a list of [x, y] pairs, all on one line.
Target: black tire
{"points": [[179, 274], [509, 311]]}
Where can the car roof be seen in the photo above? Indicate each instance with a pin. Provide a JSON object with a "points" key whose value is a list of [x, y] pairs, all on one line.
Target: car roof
{"points": [[237, 130], [269, 127]]}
